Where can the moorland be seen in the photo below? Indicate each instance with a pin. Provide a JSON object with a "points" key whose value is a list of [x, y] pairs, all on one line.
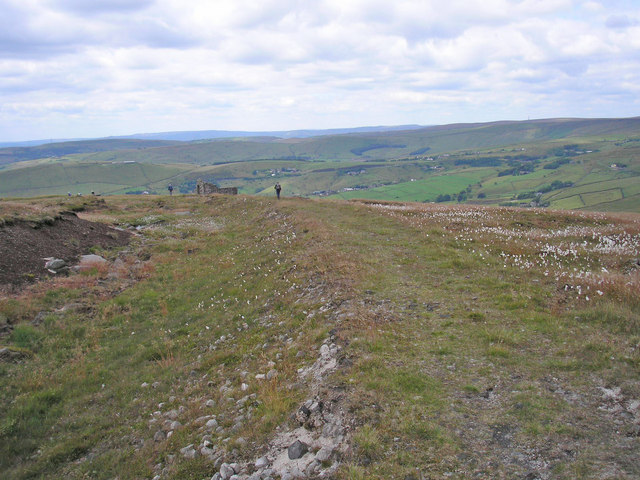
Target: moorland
{"points": [[322, 338]]}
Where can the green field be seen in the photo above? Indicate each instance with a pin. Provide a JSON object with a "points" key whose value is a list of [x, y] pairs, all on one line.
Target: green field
{"points": [[420, 190], [74, 177], [573, 163]]}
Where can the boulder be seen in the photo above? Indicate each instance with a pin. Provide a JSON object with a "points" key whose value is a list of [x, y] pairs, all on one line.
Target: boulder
{"points": [[87, 262]]}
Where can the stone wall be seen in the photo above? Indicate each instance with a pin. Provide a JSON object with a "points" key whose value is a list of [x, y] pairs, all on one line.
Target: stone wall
{"points": [[204, 188]]}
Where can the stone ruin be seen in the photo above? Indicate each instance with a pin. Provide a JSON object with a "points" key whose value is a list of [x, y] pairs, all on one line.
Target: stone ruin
{"points": [[204, 188]]}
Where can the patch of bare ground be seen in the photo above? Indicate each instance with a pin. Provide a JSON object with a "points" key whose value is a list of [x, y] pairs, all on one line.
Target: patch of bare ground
{"points": [[25, 245]]}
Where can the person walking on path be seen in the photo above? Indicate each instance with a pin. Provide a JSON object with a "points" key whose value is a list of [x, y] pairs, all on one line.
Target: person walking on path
{"points": [[278, 188], [170, 187]]}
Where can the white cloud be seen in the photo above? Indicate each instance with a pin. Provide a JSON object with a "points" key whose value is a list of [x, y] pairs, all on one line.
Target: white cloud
{"points": [[71, 68]]}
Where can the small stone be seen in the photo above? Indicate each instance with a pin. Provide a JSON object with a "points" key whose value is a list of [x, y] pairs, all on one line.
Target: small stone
{"points": [[312, 468], [159, 436], [189, 452], [262, 462], [226, 471], [272, 374], [210, 403], [260, 376], [297, 450], [302, 415], [144, 385], [39, 318], [324, 454], [172, 414], [88, 262], [207, 452], [92, 259], [55, 264], [211, 424], [201, 420], [324, 350]]}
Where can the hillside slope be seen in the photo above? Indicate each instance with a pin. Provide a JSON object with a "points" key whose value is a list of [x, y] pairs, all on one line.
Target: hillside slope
{"points": [[387, 145], [591, 164], [20, 154], [392, 340]]}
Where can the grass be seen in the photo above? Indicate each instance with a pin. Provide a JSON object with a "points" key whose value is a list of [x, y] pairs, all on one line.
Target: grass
{"points": [[60, 177], [466, 336]]}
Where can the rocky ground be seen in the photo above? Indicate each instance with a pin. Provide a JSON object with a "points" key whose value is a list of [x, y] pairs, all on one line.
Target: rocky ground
{"points": [[27, 246]]}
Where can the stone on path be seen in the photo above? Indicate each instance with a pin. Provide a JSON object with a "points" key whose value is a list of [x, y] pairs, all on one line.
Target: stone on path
{"points": [[297, 450]]}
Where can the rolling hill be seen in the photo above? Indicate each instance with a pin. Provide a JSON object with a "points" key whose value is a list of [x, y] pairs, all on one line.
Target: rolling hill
{"points": [[54, 150], [561, 163]]}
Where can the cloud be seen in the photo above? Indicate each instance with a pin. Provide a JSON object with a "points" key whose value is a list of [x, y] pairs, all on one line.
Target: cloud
{"points": [[166, 64], [620, 21], [92, 7]]}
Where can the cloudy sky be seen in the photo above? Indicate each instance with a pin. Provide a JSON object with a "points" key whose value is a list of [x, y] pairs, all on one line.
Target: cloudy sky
{"points": [[87, 68]]}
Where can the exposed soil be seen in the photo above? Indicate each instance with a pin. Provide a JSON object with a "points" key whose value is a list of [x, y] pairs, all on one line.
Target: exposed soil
{"points": [[24, 245]]}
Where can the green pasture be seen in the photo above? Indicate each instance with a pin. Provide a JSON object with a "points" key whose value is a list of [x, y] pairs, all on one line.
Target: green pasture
{"points": [[61, 178], [626, 204], [420, 190], [573, 202]]}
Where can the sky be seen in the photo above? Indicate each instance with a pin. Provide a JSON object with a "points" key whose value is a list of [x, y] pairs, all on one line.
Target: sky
{"points": [[96, 68]]}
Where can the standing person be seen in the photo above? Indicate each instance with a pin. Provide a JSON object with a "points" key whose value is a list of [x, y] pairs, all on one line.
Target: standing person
{"points": [[170, 187], [278, 188]]}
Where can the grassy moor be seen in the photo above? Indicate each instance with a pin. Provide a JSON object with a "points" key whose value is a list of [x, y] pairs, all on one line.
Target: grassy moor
{"points": [[324, 338]]}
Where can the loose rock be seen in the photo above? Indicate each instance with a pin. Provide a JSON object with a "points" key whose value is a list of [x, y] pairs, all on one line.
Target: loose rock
{"points": [[297, 450]]}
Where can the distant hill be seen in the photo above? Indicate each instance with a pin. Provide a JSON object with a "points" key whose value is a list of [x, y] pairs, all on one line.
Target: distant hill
{"points": [[561, 163], [19, 154], [189, 136], [383, 145], [214, 134]]}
